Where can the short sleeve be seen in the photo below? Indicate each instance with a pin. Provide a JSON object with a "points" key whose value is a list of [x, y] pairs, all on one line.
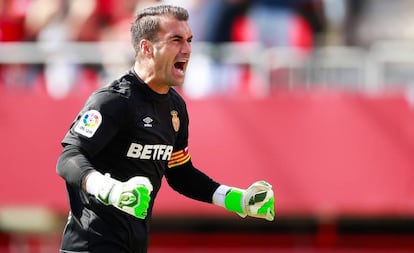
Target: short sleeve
{"points": [[98, 122]]}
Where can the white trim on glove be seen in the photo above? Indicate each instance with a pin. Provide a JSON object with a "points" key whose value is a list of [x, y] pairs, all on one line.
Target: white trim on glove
{"points": [[220, 195]]}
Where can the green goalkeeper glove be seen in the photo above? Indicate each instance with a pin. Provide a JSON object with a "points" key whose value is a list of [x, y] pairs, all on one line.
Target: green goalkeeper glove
{"points": [[132, 196], [256, 201]]}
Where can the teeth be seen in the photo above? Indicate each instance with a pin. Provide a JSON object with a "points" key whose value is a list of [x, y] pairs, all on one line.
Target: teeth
{"points": [[180, 70]]}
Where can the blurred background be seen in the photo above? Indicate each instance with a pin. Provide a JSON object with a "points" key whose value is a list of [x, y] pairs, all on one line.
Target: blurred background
{"points": [[314, 96]]}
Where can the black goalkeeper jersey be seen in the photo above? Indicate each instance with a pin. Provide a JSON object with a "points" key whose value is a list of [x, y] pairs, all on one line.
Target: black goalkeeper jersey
{"points": [[127, 130]]}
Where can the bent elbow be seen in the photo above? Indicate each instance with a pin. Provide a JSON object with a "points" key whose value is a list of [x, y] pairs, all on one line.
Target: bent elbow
{"points": [[60, 164]]}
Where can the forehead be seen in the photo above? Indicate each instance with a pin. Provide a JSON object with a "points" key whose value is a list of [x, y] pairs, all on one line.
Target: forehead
{"points": [[170, 26]]}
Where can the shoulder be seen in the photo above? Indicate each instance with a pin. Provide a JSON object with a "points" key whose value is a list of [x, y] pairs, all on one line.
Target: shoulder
{"points": [[122, 86], [177, 98], [180, 106], [114, 97]]}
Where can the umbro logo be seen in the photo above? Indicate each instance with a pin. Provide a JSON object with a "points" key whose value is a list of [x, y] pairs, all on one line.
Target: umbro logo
{"points": [[147, 122]]}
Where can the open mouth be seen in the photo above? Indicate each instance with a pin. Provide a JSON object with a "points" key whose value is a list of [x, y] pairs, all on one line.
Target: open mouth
{"points": [[180, 66]]}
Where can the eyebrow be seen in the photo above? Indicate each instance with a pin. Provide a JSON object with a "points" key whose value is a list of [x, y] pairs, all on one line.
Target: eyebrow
{"points": [[181, 37]]}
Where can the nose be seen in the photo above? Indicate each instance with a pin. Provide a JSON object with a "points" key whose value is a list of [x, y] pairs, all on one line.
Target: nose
{"points": [[186, 48]]}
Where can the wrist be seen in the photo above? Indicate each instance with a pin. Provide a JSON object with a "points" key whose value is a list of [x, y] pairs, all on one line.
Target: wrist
{"points": [[100, 186], [230, 198], [94, 182], [219, 195]]}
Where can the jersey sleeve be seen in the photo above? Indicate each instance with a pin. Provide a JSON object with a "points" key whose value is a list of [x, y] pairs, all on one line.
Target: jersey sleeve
{"points": [[191, 182], [99, 120]]}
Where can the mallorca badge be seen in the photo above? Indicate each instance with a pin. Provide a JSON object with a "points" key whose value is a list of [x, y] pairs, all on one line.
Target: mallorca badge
{"points": [[175, 120]]}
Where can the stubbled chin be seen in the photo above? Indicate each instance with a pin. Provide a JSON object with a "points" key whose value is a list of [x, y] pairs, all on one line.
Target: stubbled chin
{"points": [[177, 81]]}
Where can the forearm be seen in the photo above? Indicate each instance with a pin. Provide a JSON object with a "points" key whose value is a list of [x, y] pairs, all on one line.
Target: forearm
{"points": [[73, 166], [191, 182], [256, 201]]}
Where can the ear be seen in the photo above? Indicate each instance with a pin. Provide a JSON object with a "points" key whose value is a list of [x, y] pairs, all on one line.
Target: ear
{"points": [[146, 48]]}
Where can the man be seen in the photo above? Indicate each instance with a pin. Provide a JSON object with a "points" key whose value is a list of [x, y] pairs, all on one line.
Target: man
{"points": [[129, 135]]}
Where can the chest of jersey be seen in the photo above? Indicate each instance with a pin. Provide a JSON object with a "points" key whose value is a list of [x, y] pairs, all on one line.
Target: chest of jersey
{"points": [[152, 131]]}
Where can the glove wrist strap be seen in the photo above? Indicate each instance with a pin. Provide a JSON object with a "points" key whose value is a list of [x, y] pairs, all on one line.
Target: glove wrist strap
{"points": [[99, 185], [219, 195], [230, 198], [94, 182]]}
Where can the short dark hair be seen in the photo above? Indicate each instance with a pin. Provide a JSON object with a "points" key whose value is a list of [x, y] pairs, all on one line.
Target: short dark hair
{"points": [[146, 22]]}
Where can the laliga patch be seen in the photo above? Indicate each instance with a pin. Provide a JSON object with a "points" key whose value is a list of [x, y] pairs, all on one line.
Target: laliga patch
{"points": [[89, 123]]}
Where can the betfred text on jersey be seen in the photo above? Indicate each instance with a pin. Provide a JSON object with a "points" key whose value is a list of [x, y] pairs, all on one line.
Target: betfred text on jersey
{"points": [[150, 152]]}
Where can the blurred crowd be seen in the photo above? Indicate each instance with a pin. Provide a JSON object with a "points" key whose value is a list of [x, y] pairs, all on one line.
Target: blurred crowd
{"points": [[213, 20], [303, 24], [56, 22]]}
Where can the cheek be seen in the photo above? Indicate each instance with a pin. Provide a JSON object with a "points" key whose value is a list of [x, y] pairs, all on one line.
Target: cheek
{"points": [[164, 58], [161, 61]]}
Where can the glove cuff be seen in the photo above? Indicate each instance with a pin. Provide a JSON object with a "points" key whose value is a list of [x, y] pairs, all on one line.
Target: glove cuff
{"points": [[94, 182], [219, 195], [230, 198], [100, 186]]}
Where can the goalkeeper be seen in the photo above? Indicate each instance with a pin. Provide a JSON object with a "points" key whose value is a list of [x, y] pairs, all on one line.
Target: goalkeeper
{"points": [[130, 134]]}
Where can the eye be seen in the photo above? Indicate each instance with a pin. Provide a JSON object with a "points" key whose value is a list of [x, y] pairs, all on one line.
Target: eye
{"points": [[176, 38]]}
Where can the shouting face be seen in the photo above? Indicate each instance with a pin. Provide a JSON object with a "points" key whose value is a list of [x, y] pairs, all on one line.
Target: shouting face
{"points": [[168, 55]]}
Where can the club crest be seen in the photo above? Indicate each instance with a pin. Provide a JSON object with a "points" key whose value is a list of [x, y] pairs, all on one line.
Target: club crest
{"points": [[175, 120]]}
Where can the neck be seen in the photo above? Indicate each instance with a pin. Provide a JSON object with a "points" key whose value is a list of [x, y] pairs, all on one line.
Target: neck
{"points": [[150, 79]]}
